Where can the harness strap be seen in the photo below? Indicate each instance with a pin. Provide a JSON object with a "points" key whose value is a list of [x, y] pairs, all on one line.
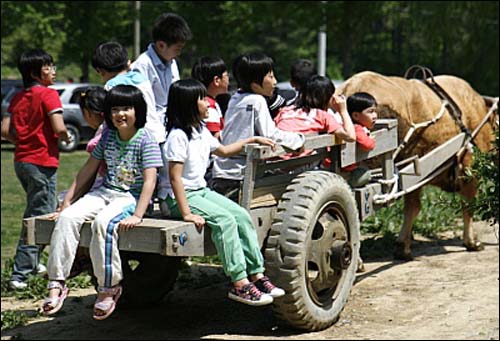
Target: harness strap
{"points": [[428, 79]]}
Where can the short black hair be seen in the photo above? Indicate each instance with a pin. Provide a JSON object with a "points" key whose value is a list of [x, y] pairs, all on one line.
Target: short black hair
{"points": [[125, 96], [251, 68], [317, 93], [30, 63], [206, 68], [182, 110], [171, 28], [300, 72], [359, 101], [93, 99], [110, 56]]}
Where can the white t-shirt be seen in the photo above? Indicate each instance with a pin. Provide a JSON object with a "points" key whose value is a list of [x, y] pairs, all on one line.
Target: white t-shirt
{"points": [[194, 154], [247, 115]]}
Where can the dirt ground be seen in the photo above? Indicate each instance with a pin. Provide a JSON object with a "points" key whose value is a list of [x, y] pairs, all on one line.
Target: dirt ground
{"points": [[445, 293]]}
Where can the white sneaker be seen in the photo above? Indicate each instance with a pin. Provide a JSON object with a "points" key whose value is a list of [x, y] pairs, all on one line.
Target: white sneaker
{"points": [[16, 285], [41, 269]]}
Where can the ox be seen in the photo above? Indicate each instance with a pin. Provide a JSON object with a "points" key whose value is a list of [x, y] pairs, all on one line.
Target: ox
{"points": [[412, 101]]}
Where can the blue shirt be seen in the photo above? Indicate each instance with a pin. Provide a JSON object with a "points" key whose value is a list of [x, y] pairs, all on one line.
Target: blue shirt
{"points": [[160, 74]]}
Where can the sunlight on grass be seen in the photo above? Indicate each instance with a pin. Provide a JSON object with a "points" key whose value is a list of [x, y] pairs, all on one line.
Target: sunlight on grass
{"points": [[13, 195]]}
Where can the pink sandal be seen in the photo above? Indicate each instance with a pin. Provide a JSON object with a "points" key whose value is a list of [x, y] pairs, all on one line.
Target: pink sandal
{"points": [[54, 304], [106, 306]]}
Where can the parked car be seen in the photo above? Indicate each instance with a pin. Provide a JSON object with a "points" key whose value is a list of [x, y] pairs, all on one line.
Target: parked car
{"points": [[73, 118], [9, 84]]}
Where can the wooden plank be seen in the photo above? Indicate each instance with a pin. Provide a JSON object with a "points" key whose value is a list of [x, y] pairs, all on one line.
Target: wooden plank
{"points": [[267, 196], [294, 162], [431, 161], [186, 240], [249, 179], [385, 123], [311, 142], [385, 140], [364, 199], [148, 236]]}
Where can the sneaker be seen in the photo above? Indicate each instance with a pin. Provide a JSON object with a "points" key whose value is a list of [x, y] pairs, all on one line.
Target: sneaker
{"points": [[250, 295], [265, 286], [17, 285], [41, 269]]}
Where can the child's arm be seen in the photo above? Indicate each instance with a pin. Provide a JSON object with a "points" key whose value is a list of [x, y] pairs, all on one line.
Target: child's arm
{"points": [[347, 132], [148, 187], [265, 126], [82, 182], [236, 147], [175, 171], [7, 132], [366, 142], [57, 122]]}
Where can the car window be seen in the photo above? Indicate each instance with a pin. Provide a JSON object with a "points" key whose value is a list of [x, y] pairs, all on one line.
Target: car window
{"points": [[75, 97]]}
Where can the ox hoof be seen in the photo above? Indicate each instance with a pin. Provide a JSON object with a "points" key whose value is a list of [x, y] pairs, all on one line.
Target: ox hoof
{"points": [[361, 266], [400, 253], [474, 246]]}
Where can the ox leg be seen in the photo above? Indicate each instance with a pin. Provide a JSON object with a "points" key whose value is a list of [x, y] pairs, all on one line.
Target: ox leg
{"points": [[411, 209], [471, 241]]}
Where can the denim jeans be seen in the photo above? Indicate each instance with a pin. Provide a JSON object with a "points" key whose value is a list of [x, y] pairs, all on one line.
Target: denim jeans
{"points": [[40, 185]]}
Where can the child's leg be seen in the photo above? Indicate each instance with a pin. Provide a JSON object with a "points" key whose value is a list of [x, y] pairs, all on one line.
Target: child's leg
{"points": [[246, 232], [66, 235], [103, 249], [39, 183], [250, 245], [224, 230]]}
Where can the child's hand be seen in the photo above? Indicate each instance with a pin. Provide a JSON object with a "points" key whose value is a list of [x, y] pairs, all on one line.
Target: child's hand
{"points": [[128, 223], [265, 141], [338, 102], [198, 221]]}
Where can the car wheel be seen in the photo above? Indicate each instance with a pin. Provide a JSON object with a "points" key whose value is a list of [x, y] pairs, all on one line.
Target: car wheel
{"points": [[75, 141]]}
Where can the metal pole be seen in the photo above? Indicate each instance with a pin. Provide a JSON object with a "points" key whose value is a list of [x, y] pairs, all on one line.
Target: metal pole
{"points": [[322, 53], [322, 42], [137, 29]]}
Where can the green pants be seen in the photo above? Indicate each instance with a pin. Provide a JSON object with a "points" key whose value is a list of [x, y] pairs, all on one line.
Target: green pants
{"points": [[233, 232]]}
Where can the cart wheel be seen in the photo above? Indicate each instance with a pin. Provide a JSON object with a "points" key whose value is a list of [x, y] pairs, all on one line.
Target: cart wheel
{"points": [[313, 248], [147, 277]]}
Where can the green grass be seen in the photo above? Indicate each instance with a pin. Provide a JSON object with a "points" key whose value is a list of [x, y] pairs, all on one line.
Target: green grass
{"points": [[14, 197]]}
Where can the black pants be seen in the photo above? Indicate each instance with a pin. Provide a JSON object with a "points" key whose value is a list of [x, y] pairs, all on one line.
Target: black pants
{"points": [[227, 187]]}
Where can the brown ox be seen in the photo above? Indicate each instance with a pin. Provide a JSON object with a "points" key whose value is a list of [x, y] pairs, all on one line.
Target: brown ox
{"points": [[411, 101]]}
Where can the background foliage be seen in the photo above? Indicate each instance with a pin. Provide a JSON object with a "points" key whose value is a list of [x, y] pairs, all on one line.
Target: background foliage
{"points": [[456, 37]]}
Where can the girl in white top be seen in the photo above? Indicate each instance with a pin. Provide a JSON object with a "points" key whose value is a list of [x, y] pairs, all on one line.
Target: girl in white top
{"points": [[183, 187]]}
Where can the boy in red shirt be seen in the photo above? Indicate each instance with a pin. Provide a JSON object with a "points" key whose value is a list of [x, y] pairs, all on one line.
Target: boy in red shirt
{"points": [[33, 123], [212, 72], [362, 108]]}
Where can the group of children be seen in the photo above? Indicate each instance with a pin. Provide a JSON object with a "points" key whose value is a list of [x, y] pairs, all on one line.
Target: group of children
{"points": [[152, 125]]}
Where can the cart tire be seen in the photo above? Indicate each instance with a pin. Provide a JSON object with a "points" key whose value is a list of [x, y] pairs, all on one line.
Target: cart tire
{"points": [[312, 250], [150, 280]]}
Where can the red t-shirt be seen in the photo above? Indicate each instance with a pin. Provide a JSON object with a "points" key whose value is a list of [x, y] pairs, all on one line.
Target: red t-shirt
{"points": [[363, 140], [214, 121], [313, 122], [36, 141]]}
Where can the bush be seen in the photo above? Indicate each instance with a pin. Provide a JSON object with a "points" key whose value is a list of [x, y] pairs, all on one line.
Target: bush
{"points": [[485, 169], [439, 213]]}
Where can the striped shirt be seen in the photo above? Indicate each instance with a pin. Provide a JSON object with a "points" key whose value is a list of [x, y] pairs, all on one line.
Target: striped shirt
{"points": [[126, 160]]}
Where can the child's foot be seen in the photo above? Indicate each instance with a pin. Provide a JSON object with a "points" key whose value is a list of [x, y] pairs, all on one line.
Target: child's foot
{"points": [[249, 294], [106, 301], [57, 294], [266, 287]]}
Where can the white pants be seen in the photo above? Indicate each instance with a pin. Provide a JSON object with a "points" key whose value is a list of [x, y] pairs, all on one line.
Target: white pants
{"points": [[107, 207]]}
